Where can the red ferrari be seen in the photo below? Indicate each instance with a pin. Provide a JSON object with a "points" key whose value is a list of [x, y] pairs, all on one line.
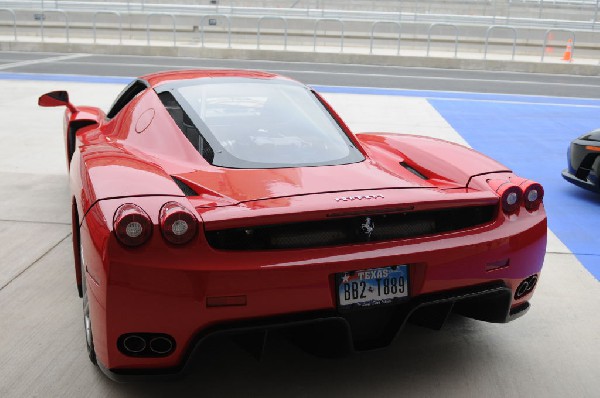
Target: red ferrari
{"points": [[239, 203]]}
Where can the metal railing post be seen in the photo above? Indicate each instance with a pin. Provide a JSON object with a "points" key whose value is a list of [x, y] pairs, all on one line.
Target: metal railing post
{"points": [[205, 17], [60, 12], [14, 19], [487, 38], [285, 31], [448, 25], [118, 14], [389, 23], [42, 18], [337, 20], [571, 33], [154, 14]]}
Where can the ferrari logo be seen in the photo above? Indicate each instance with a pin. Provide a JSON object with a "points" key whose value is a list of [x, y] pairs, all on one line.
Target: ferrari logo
{"points": [[368, 227]]}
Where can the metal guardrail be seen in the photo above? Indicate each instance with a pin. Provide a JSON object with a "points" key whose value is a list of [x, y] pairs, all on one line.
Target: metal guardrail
{"points": [[547, 35], [583, 14], [285, 29], [441, 25], [498, 27], [158, 14], [321, 28], [118, 14], [393, 23], [215, 17], [59, 12], [335, 20], [14, 20]]}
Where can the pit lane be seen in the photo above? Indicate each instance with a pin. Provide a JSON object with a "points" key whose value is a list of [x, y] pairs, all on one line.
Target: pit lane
{"points": [[552, 351]]}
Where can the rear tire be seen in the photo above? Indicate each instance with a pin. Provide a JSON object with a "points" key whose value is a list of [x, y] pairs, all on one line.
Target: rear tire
{"points": [[87, 322], [76, 246]]}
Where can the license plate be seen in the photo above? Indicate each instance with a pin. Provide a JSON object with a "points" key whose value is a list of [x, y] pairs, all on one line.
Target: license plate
{"points": [[374, 286]]}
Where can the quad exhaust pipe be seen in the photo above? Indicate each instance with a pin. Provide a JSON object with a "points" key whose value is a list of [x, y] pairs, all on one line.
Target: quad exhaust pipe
{"points": [[161, 345], [526, 286], [146, 344], [134, 344]]}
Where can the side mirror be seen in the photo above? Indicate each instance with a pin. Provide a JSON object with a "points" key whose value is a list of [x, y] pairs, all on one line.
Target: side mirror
{"points": [[56, 98]]}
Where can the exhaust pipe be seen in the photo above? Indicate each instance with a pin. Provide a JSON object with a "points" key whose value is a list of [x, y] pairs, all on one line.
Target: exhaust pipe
{"points": [[134, 344], [148, 345], [161, 345], [526, 286]]}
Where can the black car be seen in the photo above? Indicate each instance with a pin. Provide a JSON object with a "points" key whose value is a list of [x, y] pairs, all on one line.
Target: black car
{"points": [[584, 162]]}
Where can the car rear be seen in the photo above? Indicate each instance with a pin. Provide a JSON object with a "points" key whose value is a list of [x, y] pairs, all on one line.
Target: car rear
{"points": [[258, 266]]}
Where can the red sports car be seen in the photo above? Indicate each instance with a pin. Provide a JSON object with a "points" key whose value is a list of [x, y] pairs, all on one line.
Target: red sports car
{"points": [[239, 203]]}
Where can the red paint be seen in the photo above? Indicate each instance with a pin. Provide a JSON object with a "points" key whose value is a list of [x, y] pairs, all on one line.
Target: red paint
{"points": [[144, 120], [160, 287]]}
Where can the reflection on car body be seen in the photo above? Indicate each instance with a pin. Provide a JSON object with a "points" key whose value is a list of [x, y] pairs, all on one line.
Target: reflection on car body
{"points": [[239, 202]]}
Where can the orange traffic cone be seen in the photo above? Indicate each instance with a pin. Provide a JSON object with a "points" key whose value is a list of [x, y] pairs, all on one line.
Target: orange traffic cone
{"points": [[569, 51]]}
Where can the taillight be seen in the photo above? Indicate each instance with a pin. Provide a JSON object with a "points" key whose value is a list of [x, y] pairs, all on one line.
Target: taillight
{"points": [[178, 224], [533, 193], [510, 195], [132, 225]]}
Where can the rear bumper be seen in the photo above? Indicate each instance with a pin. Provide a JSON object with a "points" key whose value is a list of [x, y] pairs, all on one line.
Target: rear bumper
{"points": [[164, 290], [330, 333]]}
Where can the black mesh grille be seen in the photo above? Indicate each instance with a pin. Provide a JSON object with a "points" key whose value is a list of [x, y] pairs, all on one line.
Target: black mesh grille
{"points": [[352, 230]]}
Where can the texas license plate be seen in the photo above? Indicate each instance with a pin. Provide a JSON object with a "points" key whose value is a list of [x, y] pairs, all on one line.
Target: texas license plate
{"points": [[374, 286]]}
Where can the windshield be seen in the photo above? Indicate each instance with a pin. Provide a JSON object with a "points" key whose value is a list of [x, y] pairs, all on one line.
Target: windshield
{"points": [[251, 123]]}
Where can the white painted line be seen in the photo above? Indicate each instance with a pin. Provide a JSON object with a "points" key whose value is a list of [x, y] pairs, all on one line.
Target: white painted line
{"points": [[512, 102], [42, 61]]}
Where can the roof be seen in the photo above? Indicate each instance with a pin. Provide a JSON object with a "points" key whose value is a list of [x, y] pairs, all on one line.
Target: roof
{"points": [[156, 79]]}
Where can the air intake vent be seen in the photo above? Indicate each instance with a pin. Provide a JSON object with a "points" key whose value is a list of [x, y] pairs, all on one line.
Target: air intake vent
{"points": [[352, 230], [187, 191], [413, 170]]}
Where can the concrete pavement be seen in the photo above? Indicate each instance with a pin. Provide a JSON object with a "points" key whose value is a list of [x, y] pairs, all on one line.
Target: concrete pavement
{"points": [[553, 351]]}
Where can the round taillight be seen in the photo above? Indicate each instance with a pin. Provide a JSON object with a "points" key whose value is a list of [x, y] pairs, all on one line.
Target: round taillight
{"points": [[534, 195], [132, 225], [178, 224], [511, 196]]}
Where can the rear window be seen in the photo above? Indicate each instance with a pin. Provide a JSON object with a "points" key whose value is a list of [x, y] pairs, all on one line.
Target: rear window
{"points": [[252, 123]]}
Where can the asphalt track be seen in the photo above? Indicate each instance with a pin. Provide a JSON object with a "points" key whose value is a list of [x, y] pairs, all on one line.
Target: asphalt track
{"points": [[410, 78], [552, 351]]}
